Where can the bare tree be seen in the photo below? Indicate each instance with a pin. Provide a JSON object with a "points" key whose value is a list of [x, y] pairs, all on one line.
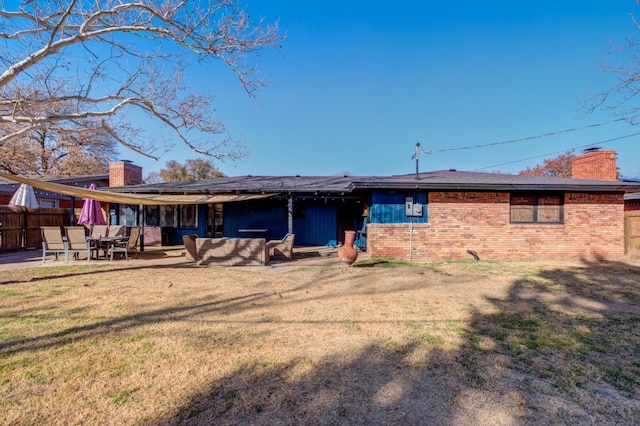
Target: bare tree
{"points": [[46, 153], [622, 96], [43, 151], [192, 169], [153, 177], [118, 66]]}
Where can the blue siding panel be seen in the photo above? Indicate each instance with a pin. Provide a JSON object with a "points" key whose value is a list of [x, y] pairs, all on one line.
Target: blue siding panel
{"points": [[255, 215], [318, 227], [316, 222], [388, 207]]}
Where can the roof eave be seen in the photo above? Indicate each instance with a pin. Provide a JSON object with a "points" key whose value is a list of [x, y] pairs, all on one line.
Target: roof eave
{"points": [[487, 187]]}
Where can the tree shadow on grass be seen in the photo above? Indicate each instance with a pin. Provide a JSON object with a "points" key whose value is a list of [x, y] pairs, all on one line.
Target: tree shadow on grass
{"points": [[567, 340], [561, 348], [191, 308], [376, 387], [95, 329], [86, 269]]}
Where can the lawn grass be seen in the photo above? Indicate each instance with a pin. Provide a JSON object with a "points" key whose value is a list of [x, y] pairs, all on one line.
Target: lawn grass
{"points": [[380, 343]]}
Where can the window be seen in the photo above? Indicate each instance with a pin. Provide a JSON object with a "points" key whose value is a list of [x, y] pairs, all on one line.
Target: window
{"points": [[299, 210], [168, 216], [128, 215], [151, 215], [48, 204], [189, 216], [217, 221], [537, 208]]}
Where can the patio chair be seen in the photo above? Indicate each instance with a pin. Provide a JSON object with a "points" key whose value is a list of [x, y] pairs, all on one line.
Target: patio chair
{"points": [[190, 246], [283, 247], [116, 231], [127, 245], [99, 231], [77, 242], [52, 242]]}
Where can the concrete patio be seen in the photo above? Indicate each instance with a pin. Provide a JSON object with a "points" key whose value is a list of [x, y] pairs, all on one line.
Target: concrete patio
{"points": [[303, 257]]}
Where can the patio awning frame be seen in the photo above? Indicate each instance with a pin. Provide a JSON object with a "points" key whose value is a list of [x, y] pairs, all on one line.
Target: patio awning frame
{"points": [[133, 198]]}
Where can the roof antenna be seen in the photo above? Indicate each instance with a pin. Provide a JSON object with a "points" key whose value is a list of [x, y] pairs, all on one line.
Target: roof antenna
{"points": [[415, 157]]}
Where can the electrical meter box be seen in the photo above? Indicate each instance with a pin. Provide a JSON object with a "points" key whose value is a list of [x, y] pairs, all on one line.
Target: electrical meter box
{"points": [[412, 209], [408, 206]]}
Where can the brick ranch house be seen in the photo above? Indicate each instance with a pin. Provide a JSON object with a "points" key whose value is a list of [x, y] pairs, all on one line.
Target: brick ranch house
{"points": [[425, 217], [515, 217], [430, 216]]}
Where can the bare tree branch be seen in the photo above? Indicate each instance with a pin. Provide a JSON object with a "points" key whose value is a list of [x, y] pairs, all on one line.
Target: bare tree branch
{"points": [[120, 62], [623, 62]]}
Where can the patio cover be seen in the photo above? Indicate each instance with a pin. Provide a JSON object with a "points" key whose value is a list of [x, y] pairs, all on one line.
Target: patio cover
{"points": [[131, 198]]}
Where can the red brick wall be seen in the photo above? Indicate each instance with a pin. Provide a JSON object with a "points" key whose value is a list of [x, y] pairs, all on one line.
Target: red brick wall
{"points": [[593, 228], [632, 205], [598, 165], [122, 173]]}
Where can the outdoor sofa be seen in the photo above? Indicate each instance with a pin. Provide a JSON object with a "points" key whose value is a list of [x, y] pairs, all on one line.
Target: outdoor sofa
{"points": [[227, 251], [283, 247]]}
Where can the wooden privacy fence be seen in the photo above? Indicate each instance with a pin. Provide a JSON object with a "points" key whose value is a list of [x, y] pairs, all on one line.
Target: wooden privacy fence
{"points": [[632, 234], [20, 228]]}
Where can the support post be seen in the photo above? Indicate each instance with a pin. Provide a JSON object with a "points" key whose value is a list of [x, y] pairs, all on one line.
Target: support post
{"points": [[290, 214], [141, 220], [72, 216], [24, 228], [417, 154]]}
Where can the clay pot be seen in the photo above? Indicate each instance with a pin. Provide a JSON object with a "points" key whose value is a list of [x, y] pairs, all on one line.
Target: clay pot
{"points": [[348, 253]]}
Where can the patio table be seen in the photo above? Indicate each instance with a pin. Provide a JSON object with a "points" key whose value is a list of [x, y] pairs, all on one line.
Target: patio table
{"points": [[106, 243], [253, 233]]}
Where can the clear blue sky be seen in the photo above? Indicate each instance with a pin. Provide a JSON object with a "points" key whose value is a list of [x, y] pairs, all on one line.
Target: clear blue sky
{"points": [[358, 83]]}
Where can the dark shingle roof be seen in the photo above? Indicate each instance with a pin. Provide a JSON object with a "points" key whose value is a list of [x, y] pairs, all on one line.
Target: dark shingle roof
{"points": [[474, 181], [443, 180]]}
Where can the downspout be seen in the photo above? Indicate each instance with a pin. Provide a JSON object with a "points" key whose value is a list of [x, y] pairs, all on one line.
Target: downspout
{"points": [[411, 239]]}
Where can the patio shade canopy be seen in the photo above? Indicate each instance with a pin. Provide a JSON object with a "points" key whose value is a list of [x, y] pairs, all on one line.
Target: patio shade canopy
{"points": [[130, 198]]}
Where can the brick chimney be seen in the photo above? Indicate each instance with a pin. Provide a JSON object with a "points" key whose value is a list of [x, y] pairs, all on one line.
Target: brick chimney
{"points": [[595, 164], [123, 173]]}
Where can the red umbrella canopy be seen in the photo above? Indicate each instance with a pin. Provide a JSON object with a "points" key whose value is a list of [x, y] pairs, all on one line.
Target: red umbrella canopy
{"points": [[91, 212]]}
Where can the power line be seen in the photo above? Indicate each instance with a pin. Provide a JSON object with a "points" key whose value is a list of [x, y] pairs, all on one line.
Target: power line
{"points": [[528, 138], [559, 152]]}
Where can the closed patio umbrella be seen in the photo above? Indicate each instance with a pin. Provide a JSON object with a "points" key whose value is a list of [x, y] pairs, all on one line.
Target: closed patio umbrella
{"points": [[91, 213], [24, 196]]}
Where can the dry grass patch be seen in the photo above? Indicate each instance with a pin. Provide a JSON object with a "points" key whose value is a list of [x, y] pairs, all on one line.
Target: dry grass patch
{"points": [[444, 343]]}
